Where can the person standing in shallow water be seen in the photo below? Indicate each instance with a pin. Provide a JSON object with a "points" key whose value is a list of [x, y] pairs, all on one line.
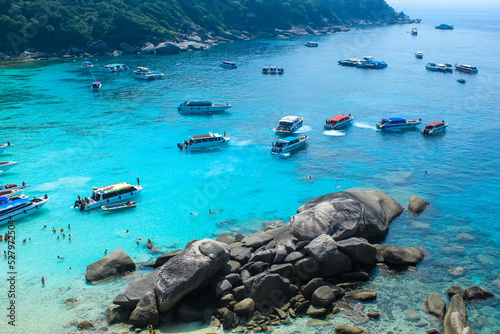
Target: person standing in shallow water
{"points": [[138, 182]]}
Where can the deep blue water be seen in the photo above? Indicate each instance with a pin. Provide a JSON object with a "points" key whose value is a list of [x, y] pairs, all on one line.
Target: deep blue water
{"points": [[69, 139]]}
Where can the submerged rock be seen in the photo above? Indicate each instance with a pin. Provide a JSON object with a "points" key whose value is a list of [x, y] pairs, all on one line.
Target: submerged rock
{"points": [[435, 305], [475, 292], [417, 205], [85, 324], [455, 320], [114, 264], [346, 329], [199, 261], [403, 256], [363, 296]]}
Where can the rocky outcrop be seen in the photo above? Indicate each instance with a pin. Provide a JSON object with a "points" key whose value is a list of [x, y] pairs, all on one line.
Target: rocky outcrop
{"points": [[245, 307], [147, 49], [455, 320], [435, 305], [97, 46], [346, 329], [146, 312], [134, 292], [475, 292], [168, 47], [199, 261], [162, 259], [322, 247], [114, 264], [345, 214], [117, 314], [403, 256], [323, 296], [455, 290], [359, 251], [128, 48], [265, 285], [417, 205]]}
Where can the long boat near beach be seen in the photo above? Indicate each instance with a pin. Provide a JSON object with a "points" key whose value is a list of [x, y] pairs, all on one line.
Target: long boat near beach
{"points": [[115, 193], [19, 207], [202, 107]]}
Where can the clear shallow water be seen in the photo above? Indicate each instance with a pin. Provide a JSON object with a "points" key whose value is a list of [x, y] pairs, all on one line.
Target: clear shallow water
{"points": [[69, 139]]}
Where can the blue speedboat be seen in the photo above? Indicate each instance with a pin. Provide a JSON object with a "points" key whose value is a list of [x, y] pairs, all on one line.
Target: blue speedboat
{"points": [[18, 207], [444, 26], [285, 145], [368, 62], [462, 81], [397, 123]]}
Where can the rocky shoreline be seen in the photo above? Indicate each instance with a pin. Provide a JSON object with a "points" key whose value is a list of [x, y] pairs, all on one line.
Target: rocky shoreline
{"points": [[315, 266], [192, 41]]}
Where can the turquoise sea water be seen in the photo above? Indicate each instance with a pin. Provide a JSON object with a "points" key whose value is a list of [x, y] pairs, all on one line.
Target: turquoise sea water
{"points": [[69, 139]]}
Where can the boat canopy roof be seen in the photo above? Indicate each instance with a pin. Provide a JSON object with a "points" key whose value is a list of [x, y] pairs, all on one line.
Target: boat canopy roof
{"points": [[198, 103], [287, 139], [394, 119], [434, 124], [209, 135], [289, 119], [113, 187], [12, 204], [88, 63], [228, 62], [338, 118], [96, 83]]}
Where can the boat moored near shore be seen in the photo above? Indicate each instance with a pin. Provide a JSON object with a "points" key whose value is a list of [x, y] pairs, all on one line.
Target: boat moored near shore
{"points": [[228, 64], [113, 68], [434, 127], [19, 207], [338, 122], [145, 73], [6, 165], [210, 140], [285, 145], [311, 44], [202, 107], [289, 124], [397, 123], [466, 68], [115, 193]]}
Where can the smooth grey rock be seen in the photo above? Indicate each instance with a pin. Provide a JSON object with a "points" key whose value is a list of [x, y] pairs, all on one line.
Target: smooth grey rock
{"points": [[198, 262], [269, 286], [257, 239], [417, 205], [167, 47], [323, 296], [228, 319], [245, 307], [147, 49], [285, 269], [232, 267], [282, 234], [162, 259], [264, 256], [338, 264], [311, 286], [359, 251], [322, 247], [475, 292], [307, 268], [379, 210], [241, 254], [455, 320], [98, 46], [134, 292], [146, 312], [435, 305], [281, 254], [455, 290], [223, 287], [403, 256], [379, 258], [290, 246], [316, 311], [85, 324], [294, 256], [187, 313], [362, 296], [226, 238], [128, 48], [117, 314], [114, 264]]}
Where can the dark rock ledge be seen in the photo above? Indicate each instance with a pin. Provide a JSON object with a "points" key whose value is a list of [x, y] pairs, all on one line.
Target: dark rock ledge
{"points": [[313, 266]]}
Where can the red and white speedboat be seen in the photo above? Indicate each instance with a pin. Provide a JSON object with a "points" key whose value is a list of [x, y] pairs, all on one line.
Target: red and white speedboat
{"points": [[466, 68], [11, 193], [338, 122], [6, 165], [434, 127]]}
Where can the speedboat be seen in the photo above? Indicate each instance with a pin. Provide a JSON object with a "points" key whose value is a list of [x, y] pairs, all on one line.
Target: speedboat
{"points": [[119, 206], [17, 207], [202, 107], [372, 64], [353, 62], [228, 64], [337, 122], [6, 165], [434, 67], [466, 68], [113, 68], [397, 122], [146, 74], [3, 147], [96, 86], [434, 127], [212, 140], [462, 81], [88, 64], [285, 145], [414, 31], [289, 124], [11, 193], [265, 70], [115, 193], [419, 55], [273, 70], [281, 70], [445, 67], [311, 44], [14, 186], [444, 26]]}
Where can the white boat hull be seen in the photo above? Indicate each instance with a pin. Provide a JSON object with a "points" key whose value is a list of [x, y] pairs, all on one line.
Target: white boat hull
{"points": [[398, 126], [4, 147], [23, 212], [11, 193], [292, 147], [6, 166], [122, 198], [207, 145], [204, 109]]}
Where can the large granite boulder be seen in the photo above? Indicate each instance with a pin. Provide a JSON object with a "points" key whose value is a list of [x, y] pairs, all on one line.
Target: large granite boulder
{"points": [[147, 49], [455, 320], [162, 259], [114, 264], [268, 286], [348, 213], [134, 292], [245, 307], [185, 272], [475, 292], [417, 205], [258, 239], [128, 48], [167, 47], [117, 314], [98, 46], [358, 250], [322, 247], [323, 296], [403, 256], [435, 305], [337, 264], [146, 312]]}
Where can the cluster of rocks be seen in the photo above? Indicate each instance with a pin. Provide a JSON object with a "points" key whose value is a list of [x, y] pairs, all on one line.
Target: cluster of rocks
{"points": [[312, 266], [455, 319]]}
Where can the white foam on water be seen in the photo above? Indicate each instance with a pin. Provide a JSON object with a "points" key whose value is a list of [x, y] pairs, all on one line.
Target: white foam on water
{"points": [[365, 126], [303, 129], [335, 133], [63, 182]]}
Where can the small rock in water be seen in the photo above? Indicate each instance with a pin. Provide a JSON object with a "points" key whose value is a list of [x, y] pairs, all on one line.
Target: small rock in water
{"points": [[455, 290], [457, 271], [346, 329], [475, 292], [373, 315], [85, 324]]}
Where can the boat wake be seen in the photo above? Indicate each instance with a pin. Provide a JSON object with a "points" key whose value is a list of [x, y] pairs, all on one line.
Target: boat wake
{"points": [[335, 133], [240, 143], [365, 126], [64, 182], [303, 129]]}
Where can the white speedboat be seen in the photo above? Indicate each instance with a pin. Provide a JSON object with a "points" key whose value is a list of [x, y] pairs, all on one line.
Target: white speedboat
{"points": [[11, 193], [115, 193], [289, 124], [285, 145], [17, 208], [466, 68], [419, 55], [211, 140], [14, 186], [228, 64], [338, 122], [3, 147], [113, 68], [119, 206], [6, 165], [311, 44], [414, 31], [145, 73], [397, 123], [202, 107], [434, 127]]}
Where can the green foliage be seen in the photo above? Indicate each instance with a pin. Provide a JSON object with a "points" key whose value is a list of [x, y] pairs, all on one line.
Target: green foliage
{"points": [[55, 24]]}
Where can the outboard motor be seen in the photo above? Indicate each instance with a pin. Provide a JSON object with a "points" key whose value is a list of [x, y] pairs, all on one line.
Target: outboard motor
{"points": [[180, 146]]}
